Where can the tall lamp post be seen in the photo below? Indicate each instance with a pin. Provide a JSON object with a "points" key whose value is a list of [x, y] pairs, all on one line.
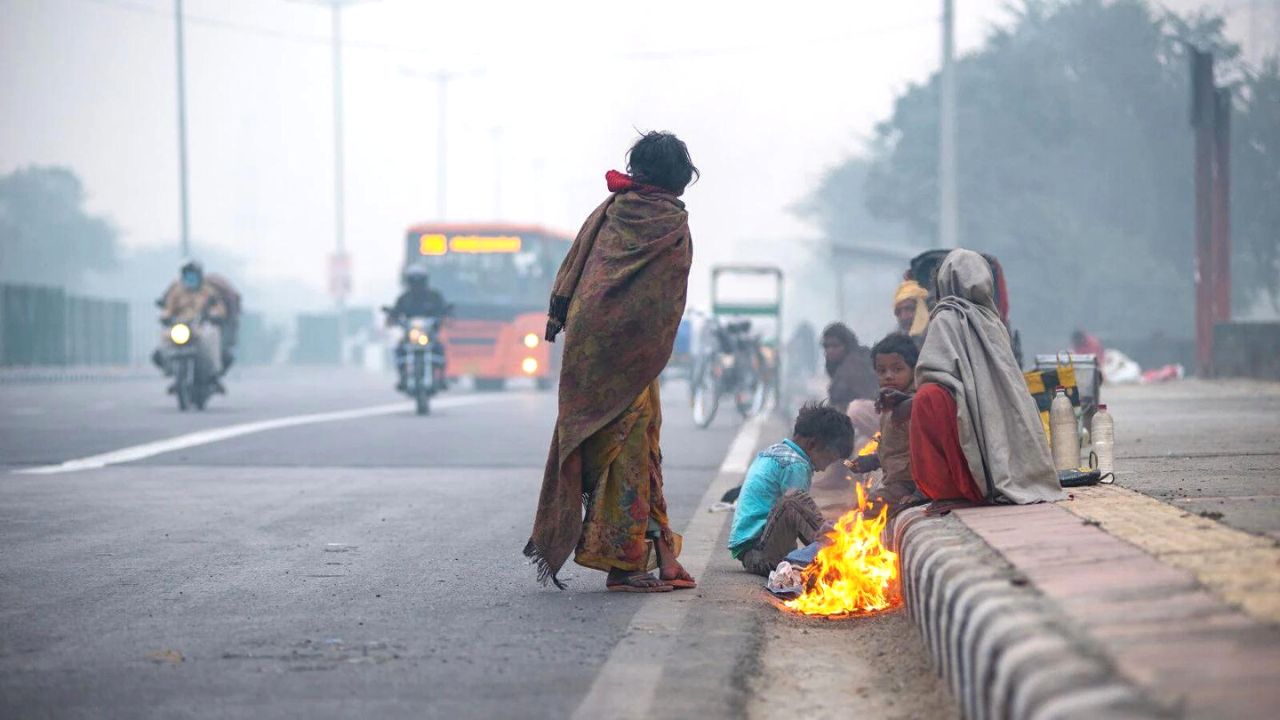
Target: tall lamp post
{"points": [[948, 224], [182, 128], [340, 262], [442, 79], [340, 265]]}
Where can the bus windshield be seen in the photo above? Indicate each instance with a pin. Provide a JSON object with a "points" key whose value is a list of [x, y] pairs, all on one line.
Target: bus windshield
{"points": [[512, 272]]}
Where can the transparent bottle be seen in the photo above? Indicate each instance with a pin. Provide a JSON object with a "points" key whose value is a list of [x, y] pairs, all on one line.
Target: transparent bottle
{"points": [[1104, 442], [1063, 431]]}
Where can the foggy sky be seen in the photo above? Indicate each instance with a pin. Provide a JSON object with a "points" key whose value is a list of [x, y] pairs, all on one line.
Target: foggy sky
{"points": [[551, 93]]}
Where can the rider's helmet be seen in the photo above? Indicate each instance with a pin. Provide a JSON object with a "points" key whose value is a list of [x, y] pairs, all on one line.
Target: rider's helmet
{"points": [[415, 277], [192, 274]]}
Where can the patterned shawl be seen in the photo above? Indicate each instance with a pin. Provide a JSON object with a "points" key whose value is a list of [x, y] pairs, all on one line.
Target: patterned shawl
{"points": [[618, 297]]}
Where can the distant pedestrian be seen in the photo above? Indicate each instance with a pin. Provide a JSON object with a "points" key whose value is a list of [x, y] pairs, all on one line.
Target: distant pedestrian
{"points": [[975, 430], [774, 508], [802, 353], [618, 298], [911, 310], [1082, 343], [853, 385]]}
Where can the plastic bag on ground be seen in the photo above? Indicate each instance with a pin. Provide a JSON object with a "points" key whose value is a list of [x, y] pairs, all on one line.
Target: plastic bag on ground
{"points": [[785, 580], [1119, 369]]}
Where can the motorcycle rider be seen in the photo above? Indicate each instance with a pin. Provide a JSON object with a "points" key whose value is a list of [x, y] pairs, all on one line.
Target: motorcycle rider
{"points": [[231, 300], [418, 300], [195, 301]]}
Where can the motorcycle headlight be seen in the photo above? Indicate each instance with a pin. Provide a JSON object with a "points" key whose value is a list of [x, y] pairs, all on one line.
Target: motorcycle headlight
{"points": [[529, 366], [422, 339], [415, 335], [531, 341], [180, 333]]}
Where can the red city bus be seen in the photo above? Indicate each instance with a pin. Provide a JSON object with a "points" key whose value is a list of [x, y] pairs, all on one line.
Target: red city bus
{"points": [[498, 277]]}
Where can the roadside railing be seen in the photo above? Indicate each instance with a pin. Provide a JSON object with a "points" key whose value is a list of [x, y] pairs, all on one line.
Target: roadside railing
{"points": [[45, 326]]}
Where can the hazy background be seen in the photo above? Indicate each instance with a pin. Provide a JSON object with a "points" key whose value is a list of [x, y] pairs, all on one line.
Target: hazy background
{"points": [[548, 97]]}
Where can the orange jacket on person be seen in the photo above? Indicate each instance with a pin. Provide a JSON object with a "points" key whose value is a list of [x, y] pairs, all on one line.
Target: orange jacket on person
{"points": [[182, 303]]}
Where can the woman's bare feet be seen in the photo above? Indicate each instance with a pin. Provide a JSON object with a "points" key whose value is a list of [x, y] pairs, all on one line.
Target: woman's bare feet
{"points": [[670, 570], [636, 582]]}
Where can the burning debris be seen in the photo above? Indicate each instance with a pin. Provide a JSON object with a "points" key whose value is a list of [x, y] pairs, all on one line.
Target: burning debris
{"points": [[872, 446], [855, 574]]}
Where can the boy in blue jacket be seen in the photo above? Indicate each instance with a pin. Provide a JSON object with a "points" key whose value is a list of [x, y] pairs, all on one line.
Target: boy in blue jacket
{"points": [[774, 508]]}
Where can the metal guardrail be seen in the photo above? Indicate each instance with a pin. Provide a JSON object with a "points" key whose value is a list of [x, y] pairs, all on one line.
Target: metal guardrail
{"points": [[44, 326]]}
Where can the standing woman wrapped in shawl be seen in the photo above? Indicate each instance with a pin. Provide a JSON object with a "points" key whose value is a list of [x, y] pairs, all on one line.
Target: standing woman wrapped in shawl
{"points": [[618, 298], [975, 430]]}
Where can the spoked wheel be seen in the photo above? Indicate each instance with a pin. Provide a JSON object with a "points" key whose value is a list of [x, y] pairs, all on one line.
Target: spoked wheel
{"points": [[706, 398], [757, 397]]}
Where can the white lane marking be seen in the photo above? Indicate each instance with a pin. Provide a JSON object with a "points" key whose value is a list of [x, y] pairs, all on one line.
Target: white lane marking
{"points": [[206, 437], [628, 681]]}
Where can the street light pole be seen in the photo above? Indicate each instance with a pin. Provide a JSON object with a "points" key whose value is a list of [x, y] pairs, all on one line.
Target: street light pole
{"points": [[182, 128], [339, 206], [948, 225], [496, 133], [340, 266], [442, 78]]}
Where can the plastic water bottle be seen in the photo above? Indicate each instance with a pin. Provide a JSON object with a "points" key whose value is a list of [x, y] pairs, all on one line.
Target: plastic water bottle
{"points": [[1063, 431], [1104, 440]]}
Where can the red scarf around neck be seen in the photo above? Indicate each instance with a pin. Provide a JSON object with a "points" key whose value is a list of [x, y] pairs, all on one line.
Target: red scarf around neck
{"points": [[622, 182]]}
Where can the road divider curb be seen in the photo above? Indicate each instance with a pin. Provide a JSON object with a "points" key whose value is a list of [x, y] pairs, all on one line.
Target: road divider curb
{"points": [[1004, 649]]}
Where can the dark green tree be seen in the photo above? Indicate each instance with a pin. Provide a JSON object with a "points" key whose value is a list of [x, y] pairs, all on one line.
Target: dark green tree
{"points": [[1255, 189], [46, 237], [1075, 166]]}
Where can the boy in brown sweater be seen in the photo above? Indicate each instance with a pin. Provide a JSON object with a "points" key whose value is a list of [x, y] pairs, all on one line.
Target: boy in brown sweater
{"points": [[894, 358]]}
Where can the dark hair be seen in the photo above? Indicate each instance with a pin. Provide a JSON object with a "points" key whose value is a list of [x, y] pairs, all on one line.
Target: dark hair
{"points": [[661, 159], [899, 343], [820, 422], [841, 332]]}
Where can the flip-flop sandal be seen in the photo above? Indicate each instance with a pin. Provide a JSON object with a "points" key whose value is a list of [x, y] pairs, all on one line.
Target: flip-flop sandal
{"points": [[680, 583], [629, 587]]}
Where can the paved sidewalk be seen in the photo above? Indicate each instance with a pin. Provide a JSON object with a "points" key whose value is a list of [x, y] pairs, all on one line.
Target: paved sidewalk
{"points": [[1136, 599]]}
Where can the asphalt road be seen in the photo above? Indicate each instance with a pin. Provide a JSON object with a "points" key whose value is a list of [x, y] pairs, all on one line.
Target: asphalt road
{"points": [[359, 568]]}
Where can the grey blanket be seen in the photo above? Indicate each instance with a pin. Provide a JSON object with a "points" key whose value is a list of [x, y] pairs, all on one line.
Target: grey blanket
{"points": [[967, 351]]}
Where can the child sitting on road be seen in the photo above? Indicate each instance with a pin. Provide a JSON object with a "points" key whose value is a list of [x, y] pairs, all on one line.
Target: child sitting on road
{"points": [[774, 508], [894, 358]]}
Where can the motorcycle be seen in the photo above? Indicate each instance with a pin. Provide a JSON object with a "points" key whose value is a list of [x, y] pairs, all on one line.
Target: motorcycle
{"points": [[734, 365], [422, 356], [184, 355]]}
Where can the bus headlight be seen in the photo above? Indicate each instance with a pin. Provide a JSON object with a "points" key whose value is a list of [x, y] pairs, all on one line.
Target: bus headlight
{"points": [[180, 333], [529, 366], [531, 341]]}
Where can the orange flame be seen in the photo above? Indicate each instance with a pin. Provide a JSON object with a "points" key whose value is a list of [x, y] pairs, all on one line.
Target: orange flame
{"points": [[855, 574], [871, 447]]}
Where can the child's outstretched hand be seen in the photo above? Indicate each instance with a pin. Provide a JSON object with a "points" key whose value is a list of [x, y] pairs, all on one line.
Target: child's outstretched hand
{"points": [[863, 463], [890, 398]]}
